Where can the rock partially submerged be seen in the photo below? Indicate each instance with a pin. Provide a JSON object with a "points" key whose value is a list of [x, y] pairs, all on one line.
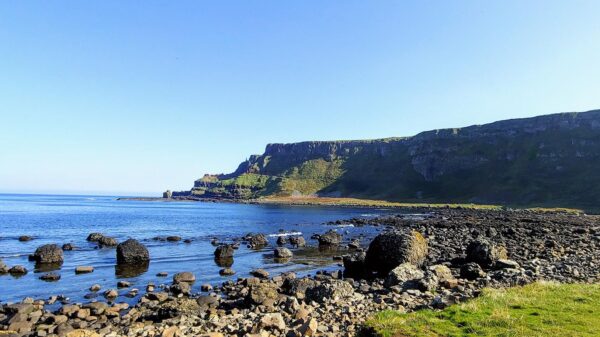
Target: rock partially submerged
{"points": [[330, 239], [48, 254], [132, 252]]}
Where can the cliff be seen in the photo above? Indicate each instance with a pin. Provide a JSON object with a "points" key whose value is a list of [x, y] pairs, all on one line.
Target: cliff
{"points": [[551, 160]]}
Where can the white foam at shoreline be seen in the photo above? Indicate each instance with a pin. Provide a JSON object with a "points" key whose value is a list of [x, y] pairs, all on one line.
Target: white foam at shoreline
{"points": [[284, 234]]}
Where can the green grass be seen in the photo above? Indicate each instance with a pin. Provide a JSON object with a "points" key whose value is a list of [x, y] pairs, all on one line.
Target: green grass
{"points": [[539, 309]]}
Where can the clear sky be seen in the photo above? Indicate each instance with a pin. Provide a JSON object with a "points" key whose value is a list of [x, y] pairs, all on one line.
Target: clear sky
{"points": [[134, 97]]}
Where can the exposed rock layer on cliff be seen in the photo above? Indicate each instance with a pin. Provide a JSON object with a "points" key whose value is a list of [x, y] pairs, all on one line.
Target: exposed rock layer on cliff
{"points": [[551, 160]]}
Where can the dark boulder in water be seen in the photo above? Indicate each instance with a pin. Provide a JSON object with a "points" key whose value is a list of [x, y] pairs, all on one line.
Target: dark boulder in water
{"points": [[224, 252], [132, 252], [48, 254], [331, 238]]}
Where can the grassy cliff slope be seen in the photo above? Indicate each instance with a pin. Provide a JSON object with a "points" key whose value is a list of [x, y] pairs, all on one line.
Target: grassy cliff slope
{"points": [[551, 160]]}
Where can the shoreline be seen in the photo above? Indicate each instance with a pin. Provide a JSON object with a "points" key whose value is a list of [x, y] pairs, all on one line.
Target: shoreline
{"points": [[525, 247]]}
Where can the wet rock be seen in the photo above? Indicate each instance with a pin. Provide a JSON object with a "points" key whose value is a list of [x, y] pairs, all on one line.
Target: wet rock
{"points": [[484, 253], [68, 247], [206, 287], [173, 238], [132, 252], [3, 267], [111, 294], [260, 273], [48, 254], [331, 238], [25, 238], [50, 277], [186, 277], [106, 241], [83, 269], [282, 240], [224, 252], [354, 244], [17, 270], [471, 271], [406, 272], [95, 288], [226, 272], [297, 241], [95, 237], [181, 288], [257, 241], [123, 284], [283, 253], [389, 250]]}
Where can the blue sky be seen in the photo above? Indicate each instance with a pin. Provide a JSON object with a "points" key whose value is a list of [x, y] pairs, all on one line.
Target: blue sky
{"points": [[134, 97]]}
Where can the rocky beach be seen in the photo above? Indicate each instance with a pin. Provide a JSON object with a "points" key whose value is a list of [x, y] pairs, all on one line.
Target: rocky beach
{"points": [[433, 261]]}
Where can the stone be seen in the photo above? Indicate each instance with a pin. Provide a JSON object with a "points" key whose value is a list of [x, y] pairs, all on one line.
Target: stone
{"points": [[207, 301], [83, 269], [506, 264], [172, 331], [309, 328], [297, 287], [224, 252], [403, 273], [262, 293], [173, 238], [257, 241], [206, 287], [111, 294], [443, 273], [260, 273], [132, 252], [48, 254], [82, 333], [186, 277], [484, 253], [3, 267], [17, 270], [282, 240], [123, 284], [50, 277], [94, 237], [329, 289], [68, 247], [390, 249], [95, 288], [283, 253], [354, 265], [226, 272], [331, 238], [25, 238], [272, 321], [471, 271], [297, 241], [106, 241], [181, 288]]}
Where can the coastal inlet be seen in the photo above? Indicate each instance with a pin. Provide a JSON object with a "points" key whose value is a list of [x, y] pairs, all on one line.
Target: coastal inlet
{"points": [[180, 237]]}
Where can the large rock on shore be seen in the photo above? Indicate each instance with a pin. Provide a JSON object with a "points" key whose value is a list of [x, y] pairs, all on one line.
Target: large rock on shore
{"points": [[355, 266], [132, 252], [403, 273], [48, 254], [329, 289], [389, 250], [485, 253], [262, 293]]}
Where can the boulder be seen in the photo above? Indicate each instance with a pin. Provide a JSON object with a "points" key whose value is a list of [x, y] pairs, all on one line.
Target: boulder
{"points": [[297, 241], [94, 237], [50, 277], [443, 273], [226, 272], [389, 250], [132, 252], [83, 269], [25, 238], [282, 240], [173, 238], [354, 266], [106, 241], [3, 267], [272, 321], [262, 293], [406, 272], [260, 273], [471, 271], [484, 253], [68, 246], [48, 254], [224, 252], [257, 241], [186, 277], [283, 253], [331, 238], [296, 287], [329, 289]]}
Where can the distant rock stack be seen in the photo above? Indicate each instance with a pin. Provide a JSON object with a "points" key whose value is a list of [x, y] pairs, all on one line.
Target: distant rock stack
{"points": [[167, 194]]}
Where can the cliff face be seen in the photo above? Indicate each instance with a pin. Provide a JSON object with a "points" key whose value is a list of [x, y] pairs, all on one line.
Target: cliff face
{"points": [[547, 160]]}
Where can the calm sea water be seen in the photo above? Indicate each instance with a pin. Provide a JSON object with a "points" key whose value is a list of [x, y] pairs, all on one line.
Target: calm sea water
{"points": [[69, 219]]}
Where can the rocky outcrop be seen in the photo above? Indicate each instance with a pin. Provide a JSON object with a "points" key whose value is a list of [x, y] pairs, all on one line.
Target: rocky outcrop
{"points": [[546, 160]]}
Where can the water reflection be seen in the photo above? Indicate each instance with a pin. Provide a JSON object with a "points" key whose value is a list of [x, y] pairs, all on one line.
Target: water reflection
{"points": [[130, 270]]}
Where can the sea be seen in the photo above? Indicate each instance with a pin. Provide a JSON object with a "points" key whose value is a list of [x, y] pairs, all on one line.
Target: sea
{"points": [[61, 219]]}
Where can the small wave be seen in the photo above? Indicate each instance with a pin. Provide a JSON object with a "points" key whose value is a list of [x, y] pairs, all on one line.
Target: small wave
{"points": [[13, 255], [284, 234], [345, 225]]}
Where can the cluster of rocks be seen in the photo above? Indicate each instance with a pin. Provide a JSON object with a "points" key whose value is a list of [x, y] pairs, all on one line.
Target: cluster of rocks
{"points": [[442, 259]]}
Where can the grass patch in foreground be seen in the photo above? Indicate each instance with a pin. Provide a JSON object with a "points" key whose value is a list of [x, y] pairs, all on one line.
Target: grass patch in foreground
{"points": [[539, 309]]}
